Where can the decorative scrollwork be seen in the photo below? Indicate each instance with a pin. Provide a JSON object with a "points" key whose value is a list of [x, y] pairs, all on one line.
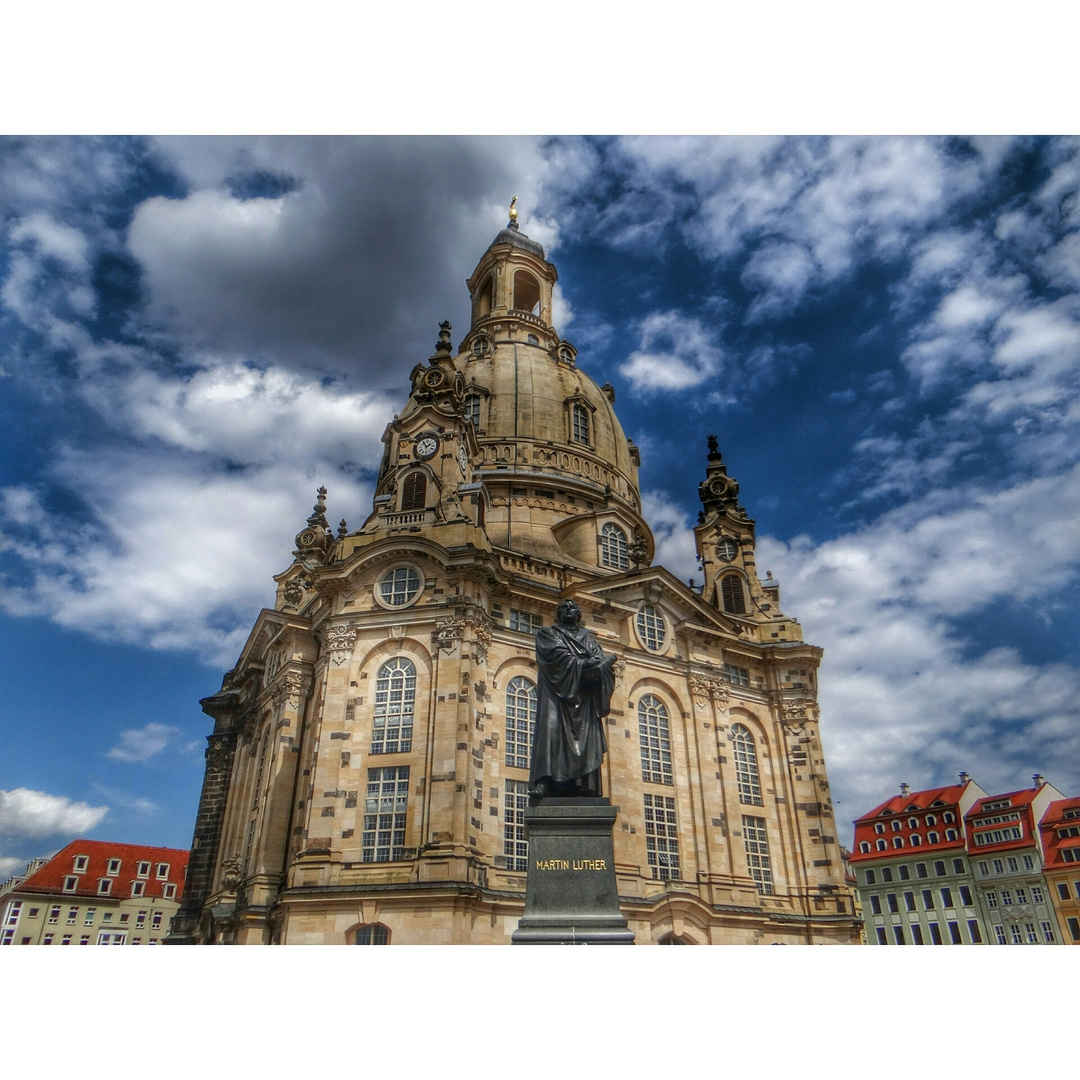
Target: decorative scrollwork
{"points": [[339, 642], [703, 687], [448, 632]]}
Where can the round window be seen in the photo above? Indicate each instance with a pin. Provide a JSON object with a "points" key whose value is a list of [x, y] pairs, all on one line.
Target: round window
{"points": [[650, 628], [727, 548], [399, 587]]}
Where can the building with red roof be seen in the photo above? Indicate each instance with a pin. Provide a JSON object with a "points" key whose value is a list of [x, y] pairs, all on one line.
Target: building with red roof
{"points": [[1060, 833], [1005, 847], [93, 892], [912, 868]]}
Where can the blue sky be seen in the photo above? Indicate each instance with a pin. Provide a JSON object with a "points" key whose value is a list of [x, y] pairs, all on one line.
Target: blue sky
{"points": [[884, 333]]}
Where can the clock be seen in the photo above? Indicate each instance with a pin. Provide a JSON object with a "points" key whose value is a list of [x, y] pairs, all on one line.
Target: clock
{"points": [[426, 446], [463, 457]]}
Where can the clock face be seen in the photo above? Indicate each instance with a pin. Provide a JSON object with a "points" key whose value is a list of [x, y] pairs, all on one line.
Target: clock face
{"points": [[463, 457], [426, 445]]}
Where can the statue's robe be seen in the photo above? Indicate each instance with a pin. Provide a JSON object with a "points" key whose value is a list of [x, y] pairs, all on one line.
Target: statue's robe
{"points": [[573, 695]]}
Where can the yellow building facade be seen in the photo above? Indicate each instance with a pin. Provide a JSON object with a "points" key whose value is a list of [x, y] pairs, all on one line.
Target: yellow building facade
{"points": [[367, 772]]}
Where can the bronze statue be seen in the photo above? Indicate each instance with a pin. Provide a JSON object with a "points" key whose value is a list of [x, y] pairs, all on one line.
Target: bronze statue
{"points": [[573, 695]]}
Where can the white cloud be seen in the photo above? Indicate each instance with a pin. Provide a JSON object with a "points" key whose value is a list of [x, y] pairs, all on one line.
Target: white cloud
{"points": [[11, 864], [180, 555], [804, 211], [902, 693], [141, 744], [36, 815], [675, 549], [675, 353]]}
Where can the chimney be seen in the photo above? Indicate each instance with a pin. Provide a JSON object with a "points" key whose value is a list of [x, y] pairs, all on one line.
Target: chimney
{"points": [[1039, 780], [905, 790], [964, 778]]}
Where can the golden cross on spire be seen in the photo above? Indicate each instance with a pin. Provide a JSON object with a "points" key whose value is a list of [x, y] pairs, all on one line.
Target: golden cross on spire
{"points": [[513, 209]]}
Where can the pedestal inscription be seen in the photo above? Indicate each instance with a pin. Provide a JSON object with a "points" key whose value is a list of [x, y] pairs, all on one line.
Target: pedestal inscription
{"points": [[571, 897]]}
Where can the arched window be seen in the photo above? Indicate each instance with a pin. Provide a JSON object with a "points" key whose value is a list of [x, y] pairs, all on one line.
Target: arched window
{"points": [[932, 838], [579, 426], [913, 823], [655, 740], [650, 628], [879, 827], [731, 594], [896, 826], [483, 298], [881, 845], [520, 721], [864, 847], [898, 842], [916, 840], [373, 934], [472, 409], [414, 491], [526, 293], [613, 547], [746, 767], [395, 695], [950, 834], [931, 819]]}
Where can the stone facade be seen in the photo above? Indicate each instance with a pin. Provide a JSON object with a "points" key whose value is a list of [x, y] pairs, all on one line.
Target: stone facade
{"points": [[374, 733]]}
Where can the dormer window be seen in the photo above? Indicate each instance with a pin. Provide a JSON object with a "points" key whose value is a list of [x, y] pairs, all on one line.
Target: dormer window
{"points": [[613, 550], [481, 346], [579, 431], [81, 863], [472, 409]]}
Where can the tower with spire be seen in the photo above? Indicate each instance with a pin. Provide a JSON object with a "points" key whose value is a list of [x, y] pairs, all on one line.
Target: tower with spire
{"points": [[367, 772]]}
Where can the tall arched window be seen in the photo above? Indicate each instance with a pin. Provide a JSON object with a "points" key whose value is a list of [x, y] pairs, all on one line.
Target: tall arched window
{"points": [[373, 934], [613, 547], [395, 696], [579, 429], [520, 720], [655, 740], [731, 594], [472, 409], [483, 298], [414, 491], [526, 293], [746, 767]]}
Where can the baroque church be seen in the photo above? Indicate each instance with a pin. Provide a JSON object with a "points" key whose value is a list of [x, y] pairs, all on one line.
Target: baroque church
{"points": [[367, 773]]}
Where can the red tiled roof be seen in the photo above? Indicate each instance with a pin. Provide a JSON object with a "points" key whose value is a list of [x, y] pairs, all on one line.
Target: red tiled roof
{"points": [[899, 809], [50, 877], [1052, 843], [1024, 797], [921, 800]]}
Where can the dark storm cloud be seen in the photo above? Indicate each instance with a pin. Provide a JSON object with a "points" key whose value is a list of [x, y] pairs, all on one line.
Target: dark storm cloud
{"points": [[349, 266]]}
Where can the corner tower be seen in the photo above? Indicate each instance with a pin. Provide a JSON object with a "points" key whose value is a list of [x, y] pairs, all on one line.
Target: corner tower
{"points": [[367, 773]]}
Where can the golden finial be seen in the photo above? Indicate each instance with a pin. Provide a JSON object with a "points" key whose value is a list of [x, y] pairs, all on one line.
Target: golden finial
{"points": [[513, 209]]}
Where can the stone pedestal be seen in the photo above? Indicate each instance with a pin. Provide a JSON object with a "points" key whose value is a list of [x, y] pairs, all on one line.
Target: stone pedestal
{"points": [[571, 897]]}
